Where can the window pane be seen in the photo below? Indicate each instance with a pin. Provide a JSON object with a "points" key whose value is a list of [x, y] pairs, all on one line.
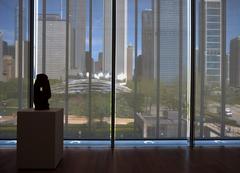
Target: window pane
{"points": [[213, 39], [213, 11], [213, 32], [83, 88], [154, 102], [213, 18], [14, 61], [213, 25], [217, 105]]}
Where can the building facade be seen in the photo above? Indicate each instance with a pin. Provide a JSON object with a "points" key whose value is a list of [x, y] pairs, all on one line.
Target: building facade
{"points": [[130, 55], [212, 46], [78, 34], [55, 47], [234, 62], [107, 39], [147, 44], [170, 49], [8, 69], [121, 38]]}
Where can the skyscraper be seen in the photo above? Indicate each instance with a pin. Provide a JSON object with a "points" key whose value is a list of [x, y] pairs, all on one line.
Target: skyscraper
{"points": [[212, 58], [212, 40], [234, 66], [100, 60], [78, 16], [171, 22], [170, 27], [107, 40], [130, 55], [147, 44], [121, 37], [89, 62], [99, 63], [55, 46]]}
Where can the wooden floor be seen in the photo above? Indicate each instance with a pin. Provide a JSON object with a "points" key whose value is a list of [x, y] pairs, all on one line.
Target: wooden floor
{"points": [[159, 160]]}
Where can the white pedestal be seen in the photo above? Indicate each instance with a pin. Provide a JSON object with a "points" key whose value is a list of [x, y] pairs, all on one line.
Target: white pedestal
{"points": [[39, 138]]}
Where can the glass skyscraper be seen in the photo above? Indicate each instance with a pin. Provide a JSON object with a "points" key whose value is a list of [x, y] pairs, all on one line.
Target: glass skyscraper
{"points": [[211, 47]]}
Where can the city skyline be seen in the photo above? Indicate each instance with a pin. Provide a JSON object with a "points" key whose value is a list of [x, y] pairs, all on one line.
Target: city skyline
{"points": [[7, 12], [144, 6]]}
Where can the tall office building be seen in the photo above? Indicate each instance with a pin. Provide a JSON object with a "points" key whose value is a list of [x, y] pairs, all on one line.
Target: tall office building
{"points": [[78, 34], [107, 39], [130, 55], [212, 37], [55, 46], [147, 44], [212, 52], [77, 37], [138, 68], [121, 37], [170, 27], [89, 63], [172, 43], [100, 60], [1, 56], [99, 63], [234, 66]]}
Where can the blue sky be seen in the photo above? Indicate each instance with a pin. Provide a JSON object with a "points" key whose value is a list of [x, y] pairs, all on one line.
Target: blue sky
{"points": [[8, 11]]}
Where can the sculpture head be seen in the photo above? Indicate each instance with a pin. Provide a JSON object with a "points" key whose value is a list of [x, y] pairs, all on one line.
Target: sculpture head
{"points": [[42, 92]]}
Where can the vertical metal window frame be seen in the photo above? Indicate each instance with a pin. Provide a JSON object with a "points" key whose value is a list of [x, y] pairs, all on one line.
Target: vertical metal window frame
{"points": [[20, 56], [90, 68], [113, 108], [44, 8], [135, 56], [223, 67], [180, 68], [31, 50], [192, 20], [158, 18], [68, 3]]}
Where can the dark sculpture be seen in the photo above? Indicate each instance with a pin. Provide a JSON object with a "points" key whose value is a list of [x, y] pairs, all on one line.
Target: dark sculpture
{"points": [[42, 92]]}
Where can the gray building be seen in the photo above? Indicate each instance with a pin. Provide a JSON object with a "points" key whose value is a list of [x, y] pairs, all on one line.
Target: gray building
{"points": [[168, 125], [172, 43], [78, 34], [212, 53], [55, 47], [234, 65], [212, 46], [107, 39], [171, 28], [147, 44], [121, 37], [99, 63], [130, 55]]}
